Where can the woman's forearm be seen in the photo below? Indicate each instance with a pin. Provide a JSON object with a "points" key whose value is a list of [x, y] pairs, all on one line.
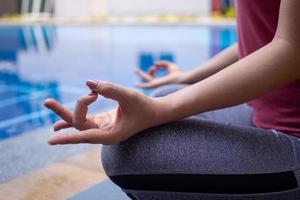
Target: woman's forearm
{"points": [[212, 66], [272, 66]]}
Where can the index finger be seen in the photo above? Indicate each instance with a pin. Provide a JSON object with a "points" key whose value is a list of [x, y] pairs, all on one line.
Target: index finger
{"points": [[158, 65], [143, 75], [58, 109], [92, 136]]}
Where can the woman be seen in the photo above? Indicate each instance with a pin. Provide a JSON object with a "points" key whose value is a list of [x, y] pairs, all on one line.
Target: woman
{"points": [[237, 150]]}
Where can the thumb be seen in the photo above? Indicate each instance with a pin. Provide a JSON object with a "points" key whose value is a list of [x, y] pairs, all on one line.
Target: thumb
{"points": [[111, 91]]}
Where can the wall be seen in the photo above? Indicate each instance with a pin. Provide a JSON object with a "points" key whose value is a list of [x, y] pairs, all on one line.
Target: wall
{"points": [[80, 8], [9, 7], [159, 7], [87, 8]]}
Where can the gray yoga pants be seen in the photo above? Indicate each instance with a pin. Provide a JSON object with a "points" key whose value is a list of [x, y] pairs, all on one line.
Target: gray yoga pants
{"points": [[214, 155]]}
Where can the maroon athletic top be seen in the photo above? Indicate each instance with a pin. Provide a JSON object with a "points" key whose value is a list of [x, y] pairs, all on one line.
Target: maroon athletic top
{"points": [[257, 24]]}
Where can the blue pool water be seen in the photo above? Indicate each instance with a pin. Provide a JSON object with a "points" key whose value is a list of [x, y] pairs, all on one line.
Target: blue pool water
{"points": [[38, 62]]}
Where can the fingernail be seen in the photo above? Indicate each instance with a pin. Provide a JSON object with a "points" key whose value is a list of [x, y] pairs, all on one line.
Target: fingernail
{"points": [[47, 102], [92, 84]]}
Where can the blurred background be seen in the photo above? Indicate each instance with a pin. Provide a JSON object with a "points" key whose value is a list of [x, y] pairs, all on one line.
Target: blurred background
{"points": [[126, 10], [49, 48]]}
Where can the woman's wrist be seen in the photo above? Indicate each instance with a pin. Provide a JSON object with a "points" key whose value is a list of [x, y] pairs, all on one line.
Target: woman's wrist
{"points": [[187, 77], [163, 110], [182, 78]]}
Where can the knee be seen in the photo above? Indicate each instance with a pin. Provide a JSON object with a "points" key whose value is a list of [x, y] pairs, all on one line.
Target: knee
{"points": [[157, 149], [138, 152], [131, 155]]}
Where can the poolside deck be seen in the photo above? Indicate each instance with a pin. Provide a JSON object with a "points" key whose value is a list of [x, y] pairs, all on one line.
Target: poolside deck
{"points": [[31, 169], [60, 180]]}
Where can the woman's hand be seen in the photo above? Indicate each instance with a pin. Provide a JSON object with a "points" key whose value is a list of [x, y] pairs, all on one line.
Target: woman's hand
{"points": [[135, 112], [174, 75]]}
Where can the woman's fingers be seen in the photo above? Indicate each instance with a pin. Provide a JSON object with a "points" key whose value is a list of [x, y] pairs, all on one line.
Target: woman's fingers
{"points": [[152, 70], [146, 85], [57, 108], [112, 91], [143, 75], [79, 118], [155, 83], [162, 63], [158, 65], [92, 136], [61, 124]]}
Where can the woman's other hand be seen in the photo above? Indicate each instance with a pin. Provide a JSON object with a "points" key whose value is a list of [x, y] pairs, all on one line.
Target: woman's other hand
{"points": [[174, 75]]}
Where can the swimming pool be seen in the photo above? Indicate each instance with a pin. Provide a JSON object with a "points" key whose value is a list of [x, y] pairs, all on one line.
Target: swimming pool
{"points": [[38, 62]]}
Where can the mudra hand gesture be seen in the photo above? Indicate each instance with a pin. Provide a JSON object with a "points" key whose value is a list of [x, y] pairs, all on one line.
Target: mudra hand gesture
{"points": [[135, 112]]}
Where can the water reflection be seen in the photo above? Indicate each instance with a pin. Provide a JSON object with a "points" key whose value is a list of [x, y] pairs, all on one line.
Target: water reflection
{"points": [[21, 100], [221, 38], [37, 62]]}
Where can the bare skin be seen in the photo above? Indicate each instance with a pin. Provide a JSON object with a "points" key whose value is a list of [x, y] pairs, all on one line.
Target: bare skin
{"points": [[223, 84], [134, 113], [176, 75]]}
